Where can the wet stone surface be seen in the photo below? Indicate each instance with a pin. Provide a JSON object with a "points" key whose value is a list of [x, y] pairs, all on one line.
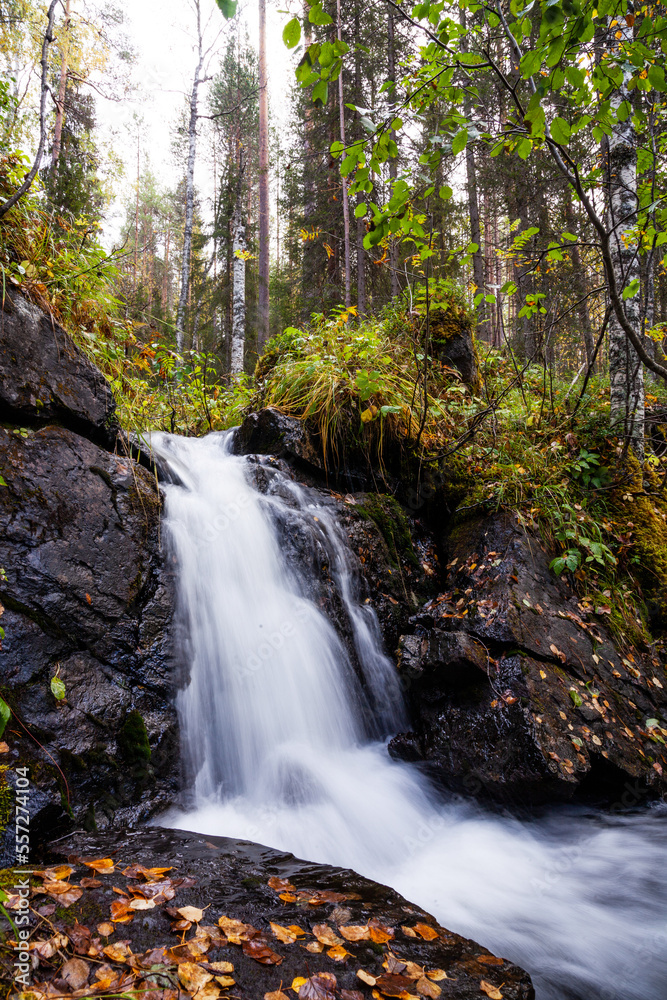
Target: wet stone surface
{"points": [[328, 924]]}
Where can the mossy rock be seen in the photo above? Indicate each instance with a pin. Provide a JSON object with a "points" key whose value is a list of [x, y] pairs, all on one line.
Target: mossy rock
{"points": [[133, 740], [6, 798], [648, 514], [390, 518]]}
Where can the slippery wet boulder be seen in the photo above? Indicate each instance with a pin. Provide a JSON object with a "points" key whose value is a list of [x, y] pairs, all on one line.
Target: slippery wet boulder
{"points": [[44, 377], [88, 599], [270, 432], [177, 913], [517, 689]]}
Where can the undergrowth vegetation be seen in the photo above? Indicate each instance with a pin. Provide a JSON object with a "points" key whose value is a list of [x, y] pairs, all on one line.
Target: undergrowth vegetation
{"points": [[376, 392]]}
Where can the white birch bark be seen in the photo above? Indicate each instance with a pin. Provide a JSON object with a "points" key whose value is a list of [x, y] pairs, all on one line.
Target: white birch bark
{"points": [[238, 301], [626, 373]]}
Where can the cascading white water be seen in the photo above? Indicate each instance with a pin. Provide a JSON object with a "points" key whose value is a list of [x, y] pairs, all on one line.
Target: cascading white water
{"points": [[283, 745]]}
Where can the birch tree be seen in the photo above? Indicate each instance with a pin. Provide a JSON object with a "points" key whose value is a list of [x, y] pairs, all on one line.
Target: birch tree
{"points": [[626, 373]]}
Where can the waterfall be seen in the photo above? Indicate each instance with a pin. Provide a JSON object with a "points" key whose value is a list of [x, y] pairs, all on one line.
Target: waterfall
{"points": [[284, 728]]}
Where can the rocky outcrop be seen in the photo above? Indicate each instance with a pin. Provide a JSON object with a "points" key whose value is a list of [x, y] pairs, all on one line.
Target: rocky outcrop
{"points": [[517, 689], [269, 916], [44, 377], [270, 432], [87, 600]]}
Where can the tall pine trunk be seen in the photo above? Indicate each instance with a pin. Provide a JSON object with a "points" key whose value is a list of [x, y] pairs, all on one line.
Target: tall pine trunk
{"points": [[393, 162], [189, 191], [361, 225], [263, 294], [346, 208], [62, 89], [626, 372]]}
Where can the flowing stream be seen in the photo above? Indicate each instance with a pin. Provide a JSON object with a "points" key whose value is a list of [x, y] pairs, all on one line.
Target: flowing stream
{"points": [[284, 745]]}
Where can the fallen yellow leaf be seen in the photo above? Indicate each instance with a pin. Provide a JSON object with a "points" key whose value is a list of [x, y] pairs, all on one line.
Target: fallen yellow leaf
{"points": [[193, 977], [325, 935], [366, 977], [191, 913], [355, 932], [283, 934], [426, 932], [338, 953], [102, 866], [426, 988], [491, 991]]}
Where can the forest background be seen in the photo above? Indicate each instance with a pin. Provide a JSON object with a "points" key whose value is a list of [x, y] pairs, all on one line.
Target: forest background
{"points": [[487, 172]]}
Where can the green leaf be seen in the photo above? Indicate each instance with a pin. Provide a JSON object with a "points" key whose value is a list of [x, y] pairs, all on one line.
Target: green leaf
{"points": [[460, 141], [576, 698], [316, 15], [445, 192], [556, 50], [530, 63], [656, 77], [360, 210], [631, 290], [57, 688], [292, 33], [2, 481], [524, 148], [560, 131], [5, 715], [321, 91], [228, 7]]}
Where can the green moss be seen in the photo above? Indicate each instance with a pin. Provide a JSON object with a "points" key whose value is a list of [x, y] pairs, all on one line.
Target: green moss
{"points": [[390, 518], [6, 798], [133, 739]]}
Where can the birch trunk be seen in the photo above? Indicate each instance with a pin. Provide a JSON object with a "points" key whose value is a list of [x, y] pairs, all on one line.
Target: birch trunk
{"points": [[189, 191], [238, 301], [263, 294], [626, 373]]}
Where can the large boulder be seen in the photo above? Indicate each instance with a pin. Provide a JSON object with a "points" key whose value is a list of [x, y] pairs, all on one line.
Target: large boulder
{"points": [[518, 690], [44, 377], [252, 899], [270, 432], [87, 600]]}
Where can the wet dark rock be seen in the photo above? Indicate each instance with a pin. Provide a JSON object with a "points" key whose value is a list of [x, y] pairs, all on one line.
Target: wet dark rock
{"points": [[44, 377], [518, 691], [270, 432], [231, 879], [87, 597]]}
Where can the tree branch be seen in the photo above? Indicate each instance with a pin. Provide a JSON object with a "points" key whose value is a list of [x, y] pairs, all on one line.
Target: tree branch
{"points": [[48, 38]]}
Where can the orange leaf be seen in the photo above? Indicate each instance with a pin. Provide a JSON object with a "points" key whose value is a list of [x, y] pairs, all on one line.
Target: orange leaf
{"points": [[102, 865], [426, 932], [338, 953], [279, 884]]}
